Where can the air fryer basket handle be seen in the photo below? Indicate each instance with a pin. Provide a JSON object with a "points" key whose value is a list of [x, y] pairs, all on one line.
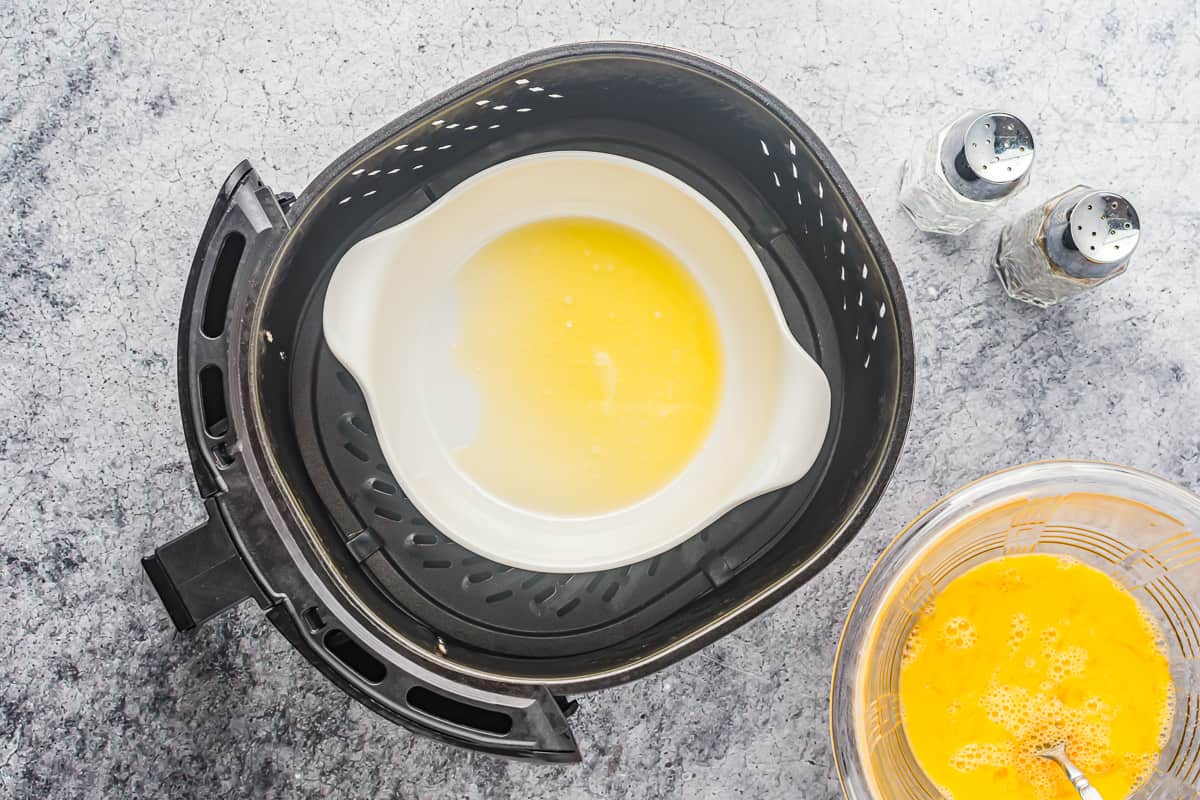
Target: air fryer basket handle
{"points": [[246, 220], [201, 573], [533, 725]]}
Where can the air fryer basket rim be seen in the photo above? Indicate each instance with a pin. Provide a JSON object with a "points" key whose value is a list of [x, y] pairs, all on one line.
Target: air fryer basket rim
{"points": [[291, 520]]}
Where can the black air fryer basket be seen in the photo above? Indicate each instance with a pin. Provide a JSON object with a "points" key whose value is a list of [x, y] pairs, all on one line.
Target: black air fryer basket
{"points": [[303, 514]]}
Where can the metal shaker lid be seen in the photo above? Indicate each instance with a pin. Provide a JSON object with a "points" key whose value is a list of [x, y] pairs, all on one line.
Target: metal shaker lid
{"points": [[1104, 227], [1091, 234], [986, 156]]}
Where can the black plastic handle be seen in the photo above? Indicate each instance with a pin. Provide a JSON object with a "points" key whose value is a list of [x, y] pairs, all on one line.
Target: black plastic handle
{"points": [[201, 574]]}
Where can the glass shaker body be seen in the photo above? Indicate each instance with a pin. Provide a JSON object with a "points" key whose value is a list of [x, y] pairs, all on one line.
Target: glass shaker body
{"points": [[965, 171], [1071, 243]]}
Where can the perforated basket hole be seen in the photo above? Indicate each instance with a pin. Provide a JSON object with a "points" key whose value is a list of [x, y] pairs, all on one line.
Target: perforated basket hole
{"points": [[388, 513], [212, 401], [380, 486], [220, 285], [458, 713], [355, 656], [352, 424], [314, 619]]}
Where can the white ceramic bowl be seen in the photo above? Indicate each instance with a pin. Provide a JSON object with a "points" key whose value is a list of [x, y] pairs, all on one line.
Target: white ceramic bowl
{"points": [[391, 318]]}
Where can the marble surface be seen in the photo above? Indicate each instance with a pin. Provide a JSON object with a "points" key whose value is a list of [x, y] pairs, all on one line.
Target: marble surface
{"points": [[117, 119]]}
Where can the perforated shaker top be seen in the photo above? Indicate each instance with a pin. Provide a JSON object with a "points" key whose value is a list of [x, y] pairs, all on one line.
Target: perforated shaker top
{"points": [[987, 156], [1091, 234], [1104, 227]]}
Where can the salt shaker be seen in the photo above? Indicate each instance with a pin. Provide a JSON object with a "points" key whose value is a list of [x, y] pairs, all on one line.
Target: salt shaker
{"points": [[964, 172], [1074, 241]]}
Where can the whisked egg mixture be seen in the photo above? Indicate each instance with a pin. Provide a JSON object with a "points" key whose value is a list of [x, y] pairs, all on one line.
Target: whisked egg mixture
{"points": [[598, 362], [1023, 652]]}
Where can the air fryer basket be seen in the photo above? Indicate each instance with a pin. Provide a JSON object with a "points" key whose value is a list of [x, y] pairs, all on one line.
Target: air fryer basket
{"points": [[305, 516]]}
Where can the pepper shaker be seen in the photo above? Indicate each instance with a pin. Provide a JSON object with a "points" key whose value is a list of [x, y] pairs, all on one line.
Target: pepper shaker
{"points": [[1076, 240], [965, 171]]}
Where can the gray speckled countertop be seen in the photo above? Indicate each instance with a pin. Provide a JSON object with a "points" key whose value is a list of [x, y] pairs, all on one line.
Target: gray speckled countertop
{"points": [[116, 122]]}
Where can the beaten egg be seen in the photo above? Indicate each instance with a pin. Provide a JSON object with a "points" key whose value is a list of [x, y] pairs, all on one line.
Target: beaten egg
{"points": [[1020, 653], [598, 363]]}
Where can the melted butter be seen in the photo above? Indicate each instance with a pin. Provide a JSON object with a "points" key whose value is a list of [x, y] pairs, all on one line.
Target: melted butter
{"points": [[598, 363], [1025, 651]]}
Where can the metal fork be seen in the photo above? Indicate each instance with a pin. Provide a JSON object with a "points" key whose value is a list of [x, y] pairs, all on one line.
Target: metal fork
{"points": [[1058, 754]]}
